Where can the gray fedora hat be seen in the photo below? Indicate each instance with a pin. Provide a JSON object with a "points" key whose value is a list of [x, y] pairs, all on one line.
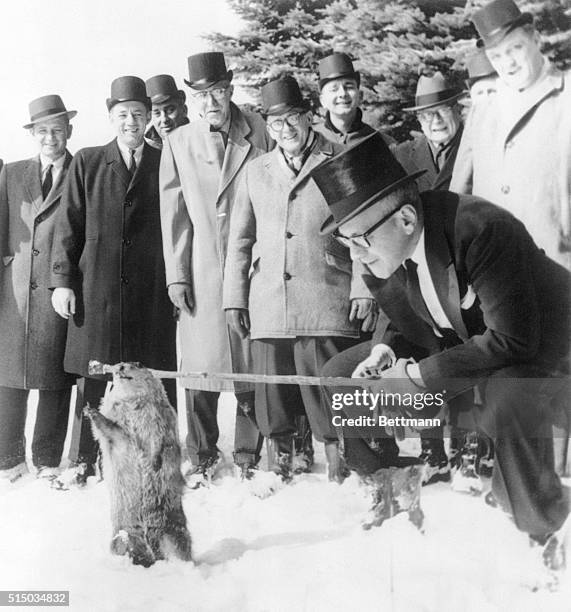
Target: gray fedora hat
{"points": [[47, 107], [432, 91]]}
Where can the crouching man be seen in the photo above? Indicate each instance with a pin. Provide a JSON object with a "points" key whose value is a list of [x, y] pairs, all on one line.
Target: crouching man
{"points": [[464, 284]]}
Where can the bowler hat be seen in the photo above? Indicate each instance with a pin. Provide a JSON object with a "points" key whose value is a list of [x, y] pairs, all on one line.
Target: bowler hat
{"points": [[162, 87], [47, 107], [357, 178], [497, 19], [281, 96], [127, 88], [479, 67], [432, 91], [335, 66], [206, 69]]}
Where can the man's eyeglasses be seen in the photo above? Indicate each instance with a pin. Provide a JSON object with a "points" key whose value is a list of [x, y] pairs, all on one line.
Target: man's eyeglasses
{"points": [[217, 93], [362, 240], [278, 124], [426, 116]]}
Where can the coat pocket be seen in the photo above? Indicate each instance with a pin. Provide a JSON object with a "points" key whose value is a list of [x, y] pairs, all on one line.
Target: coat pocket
{"points": [[7, 260]]}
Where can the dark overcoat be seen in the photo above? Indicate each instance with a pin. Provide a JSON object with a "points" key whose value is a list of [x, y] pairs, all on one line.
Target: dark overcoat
{"points": [[32, 335], [507, 301], [108, 249], [415, 155]]}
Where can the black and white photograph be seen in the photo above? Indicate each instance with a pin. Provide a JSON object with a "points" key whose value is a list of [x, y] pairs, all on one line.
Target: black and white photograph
{"points": [[285, 305]]}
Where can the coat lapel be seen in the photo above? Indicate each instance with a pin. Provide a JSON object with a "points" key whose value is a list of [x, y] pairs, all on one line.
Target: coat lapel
{"points": [[32, 181], [554, 81], [142, 168], [113, 156], [57, 189], [323, 149], [277, 167], [443, 272], [237, 149], [442, 181]]}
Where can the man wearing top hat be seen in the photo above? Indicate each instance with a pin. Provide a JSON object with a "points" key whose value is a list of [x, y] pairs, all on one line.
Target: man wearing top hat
{"points": [[201, 166], [340, 96], [32, 336], [472, 301], [107, 262], [437, 110], [168, 110], [293, 292], [516, 149]]}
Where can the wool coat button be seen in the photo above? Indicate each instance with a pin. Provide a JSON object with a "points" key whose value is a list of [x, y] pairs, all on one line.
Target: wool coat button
{"points": [[35, 252], [124, 280], [289, 234], [33, 285], [505, 189], [287, 276], [127, 203]]}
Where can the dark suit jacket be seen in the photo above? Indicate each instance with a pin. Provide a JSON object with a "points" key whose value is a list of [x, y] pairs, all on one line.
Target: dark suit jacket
{"points": [[416, 155], [108, 248], [522, 311]]}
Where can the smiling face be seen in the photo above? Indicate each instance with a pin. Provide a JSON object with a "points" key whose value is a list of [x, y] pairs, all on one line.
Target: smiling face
{"points": [[440, 123], [213, 103], [392, 242], [129, 120], [517, 58], [51, 136], [341, 97], [168, 115], [290, 130]]}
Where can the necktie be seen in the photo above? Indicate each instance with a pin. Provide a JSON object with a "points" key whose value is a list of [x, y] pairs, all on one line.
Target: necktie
{"points": [[132, 163], [415, 294], [48, 181]]}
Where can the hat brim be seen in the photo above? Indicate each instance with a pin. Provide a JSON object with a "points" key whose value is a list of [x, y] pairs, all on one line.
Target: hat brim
{"points": [[331, 225], [162, 98], [280, 109], [204, 84], [111, 102], [70, 115], [340, 75], [489, 40], [447, 100]]}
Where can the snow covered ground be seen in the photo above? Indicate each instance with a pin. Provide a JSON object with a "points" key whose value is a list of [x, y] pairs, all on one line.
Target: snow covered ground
{"points": [[301, 549]]}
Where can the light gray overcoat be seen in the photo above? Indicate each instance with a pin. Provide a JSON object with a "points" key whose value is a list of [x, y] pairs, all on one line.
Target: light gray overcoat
{"points": [[199, 179]]}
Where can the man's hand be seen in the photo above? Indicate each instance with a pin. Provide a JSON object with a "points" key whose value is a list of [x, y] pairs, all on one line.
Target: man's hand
{"points": [[381, 356], [63, 301], [367, 311], [239, 320], [180, 295]]}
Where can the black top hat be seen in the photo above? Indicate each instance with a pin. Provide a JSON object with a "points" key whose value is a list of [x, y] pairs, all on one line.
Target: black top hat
{"points": [[206, 69], [432, 91], [357, 178], [479, 67], [281, 96], [162, 87], [497, 19], [47, 107], [335, 66], [127, 88]]}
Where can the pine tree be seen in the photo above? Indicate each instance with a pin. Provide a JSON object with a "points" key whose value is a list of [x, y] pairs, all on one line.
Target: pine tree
{"points": [[391, 41]]}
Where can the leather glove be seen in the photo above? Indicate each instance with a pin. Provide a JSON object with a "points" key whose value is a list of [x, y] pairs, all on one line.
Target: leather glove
{"points": [[381, 356], [410, 400], [239, 320]]}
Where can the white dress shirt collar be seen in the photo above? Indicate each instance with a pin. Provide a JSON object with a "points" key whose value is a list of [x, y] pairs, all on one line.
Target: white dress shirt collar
{"points": [[126, 153]]}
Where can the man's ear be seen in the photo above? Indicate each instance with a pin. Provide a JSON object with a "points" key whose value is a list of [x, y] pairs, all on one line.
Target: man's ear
{"points": [[69, 130], [231, 90], [408, 216]]}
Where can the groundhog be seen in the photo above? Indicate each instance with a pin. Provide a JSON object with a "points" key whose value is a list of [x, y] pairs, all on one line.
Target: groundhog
{"points": [[136, 428]]}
